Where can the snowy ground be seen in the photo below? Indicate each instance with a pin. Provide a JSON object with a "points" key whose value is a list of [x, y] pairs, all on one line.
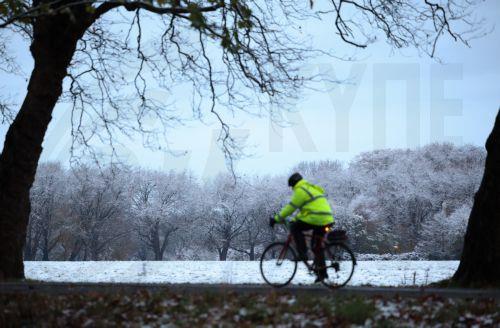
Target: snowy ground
{"points": [[378, 273]]}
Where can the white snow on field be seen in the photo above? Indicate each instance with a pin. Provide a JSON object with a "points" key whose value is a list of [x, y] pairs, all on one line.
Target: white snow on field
{"points": [[378, 273]]}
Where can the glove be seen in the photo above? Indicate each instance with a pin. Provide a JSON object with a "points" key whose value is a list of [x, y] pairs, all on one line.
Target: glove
{"points": [[272, 222]]}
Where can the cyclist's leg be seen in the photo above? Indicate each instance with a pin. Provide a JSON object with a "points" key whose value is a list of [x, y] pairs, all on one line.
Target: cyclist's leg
{"points": [[318, 250], [297, 228]]}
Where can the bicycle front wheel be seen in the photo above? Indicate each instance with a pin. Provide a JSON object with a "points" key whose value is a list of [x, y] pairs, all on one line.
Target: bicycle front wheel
{"points": [[278, 264], [340, 262]]}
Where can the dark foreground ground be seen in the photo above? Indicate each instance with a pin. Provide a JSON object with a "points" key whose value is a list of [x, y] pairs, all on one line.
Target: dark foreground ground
{"points": [[38, 304]]}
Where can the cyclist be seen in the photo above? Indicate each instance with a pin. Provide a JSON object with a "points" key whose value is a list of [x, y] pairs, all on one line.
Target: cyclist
{"points": [[314, 214]]}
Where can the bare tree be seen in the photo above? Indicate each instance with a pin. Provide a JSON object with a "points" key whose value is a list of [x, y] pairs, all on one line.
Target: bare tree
{"points": [[254, 232], [96, 213], [160, 206], [232, 53], [225, 215], [262, 200], [44, 229]]}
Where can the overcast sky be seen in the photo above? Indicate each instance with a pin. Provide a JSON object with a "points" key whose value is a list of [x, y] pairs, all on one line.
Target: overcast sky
{"points": [[423, 101]]}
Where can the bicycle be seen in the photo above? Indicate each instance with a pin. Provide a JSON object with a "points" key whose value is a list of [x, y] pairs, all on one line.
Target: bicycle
{"points": [[279, 261]]}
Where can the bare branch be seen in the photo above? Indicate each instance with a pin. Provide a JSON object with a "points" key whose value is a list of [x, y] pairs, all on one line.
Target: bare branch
{"points": [[130, 79]]}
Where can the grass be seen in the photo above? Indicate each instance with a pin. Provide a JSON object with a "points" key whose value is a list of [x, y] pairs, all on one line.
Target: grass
{"points": [[355, 311], [231, 309]]}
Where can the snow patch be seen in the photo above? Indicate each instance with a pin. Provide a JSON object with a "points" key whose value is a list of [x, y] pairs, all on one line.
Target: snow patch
{"points": [[377, 273]]}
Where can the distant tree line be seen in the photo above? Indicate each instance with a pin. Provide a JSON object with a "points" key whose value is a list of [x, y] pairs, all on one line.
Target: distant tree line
{"points": [[391, 202]]}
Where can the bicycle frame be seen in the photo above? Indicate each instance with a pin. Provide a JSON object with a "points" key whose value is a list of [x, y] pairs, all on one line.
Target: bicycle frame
{"points": [[307, 235]]}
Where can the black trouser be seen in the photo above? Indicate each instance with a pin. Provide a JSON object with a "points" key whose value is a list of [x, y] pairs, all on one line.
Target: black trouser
{"points": [[298, 228]]}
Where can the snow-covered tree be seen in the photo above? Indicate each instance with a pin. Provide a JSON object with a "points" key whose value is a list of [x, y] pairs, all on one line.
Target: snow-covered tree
{"points": [[442, 235], [226, 217], [262, 200], [161, 206], [97, 212], [44, 229]]}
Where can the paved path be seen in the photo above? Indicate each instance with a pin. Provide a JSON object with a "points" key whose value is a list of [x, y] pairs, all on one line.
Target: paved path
{"points": [[64, 288]]}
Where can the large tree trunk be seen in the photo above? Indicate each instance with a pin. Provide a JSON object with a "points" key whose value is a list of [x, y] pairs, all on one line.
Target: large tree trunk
{"points": [[223, 251], [54, 42], [155, 241], [480, 261], [45, 237], [251, 254], [45, 246], [75, 251]]}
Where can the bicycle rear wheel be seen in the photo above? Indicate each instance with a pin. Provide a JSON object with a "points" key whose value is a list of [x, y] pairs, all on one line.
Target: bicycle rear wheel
{"points": [[278, 264], [340, 262]]}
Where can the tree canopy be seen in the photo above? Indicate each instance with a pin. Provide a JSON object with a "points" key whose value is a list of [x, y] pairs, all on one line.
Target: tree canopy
{"points": [[135, 59]]}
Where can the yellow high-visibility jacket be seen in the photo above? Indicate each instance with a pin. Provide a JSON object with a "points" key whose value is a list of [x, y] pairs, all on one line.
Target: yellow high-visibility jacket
{"points": [[312, 204]]}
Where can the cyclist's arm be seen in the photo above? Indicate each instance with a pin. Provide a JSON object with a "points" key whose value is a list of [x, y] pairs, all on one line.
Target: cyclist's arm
{"points": [[298, 198]]}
